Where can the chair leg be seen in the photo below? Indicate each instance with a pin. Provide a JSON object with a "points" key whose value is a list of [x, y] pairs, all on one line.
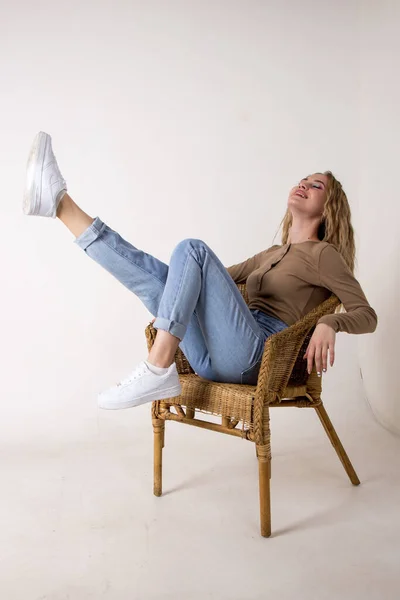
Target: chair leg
{"points": [[163, 436], [159, 429], [337, 444], [190, 412], [264, 472]]}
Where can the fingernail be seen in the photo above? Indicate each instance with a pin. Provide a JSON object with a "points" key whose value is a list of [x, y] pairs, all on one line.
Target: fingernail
{"points": [[324, 370], [319, 374]]}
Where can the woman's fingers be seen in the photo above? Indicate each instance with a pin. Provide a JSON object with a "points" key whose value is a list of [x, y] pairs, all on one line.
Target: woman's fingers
{"points": [[318, 359], [332, 354], [317, 351], [310, 357], [325, 357]]}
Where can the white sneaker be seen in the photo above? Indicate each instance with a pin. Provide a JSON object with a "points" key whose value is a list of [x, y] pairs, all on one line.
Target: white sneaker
{"points": [[45, 186], [141, 386]]}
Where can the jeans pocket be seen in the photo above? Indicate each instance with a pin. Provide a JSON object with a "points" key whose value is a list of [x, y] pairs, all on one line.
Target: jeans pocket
{"points": [[250, 375]]}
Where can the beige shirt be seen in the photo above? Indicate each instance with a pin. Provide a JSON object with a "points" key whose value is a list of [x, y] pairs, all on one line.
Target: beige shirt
{"points": [[290, 280]]}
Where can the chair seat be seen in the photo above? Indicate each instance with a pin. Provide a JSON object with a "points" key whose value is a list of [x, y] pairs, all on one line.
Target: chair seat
{"points": [[229, 399], [225, 399]]}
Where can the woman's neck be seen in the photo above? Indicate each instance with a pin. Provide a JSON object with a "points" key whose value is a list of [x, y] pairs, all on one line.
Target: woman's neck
{"points": [[302, 232]]}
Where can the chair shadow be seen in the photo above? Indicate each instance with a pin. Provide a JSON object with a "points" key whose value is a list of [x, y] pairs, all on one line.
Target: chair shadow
{"points": [[190, 482], [330, 516]]}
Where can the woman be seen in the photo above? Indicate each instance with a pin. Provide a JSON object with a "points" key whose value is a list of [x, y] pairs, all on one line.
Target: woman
{"points": [[195, 299]]}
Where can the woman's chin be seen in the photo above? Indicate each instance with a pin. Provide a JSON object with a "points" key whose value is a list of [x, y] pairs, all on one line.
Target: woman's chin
{"points": [[293, 201]]}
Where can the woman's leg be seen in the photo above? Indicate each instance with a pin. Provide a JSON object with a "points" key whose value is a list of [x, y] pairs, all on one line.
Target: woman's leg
{"points": [[77, 221], [203, 279], [199, 286], [45, 188], [194, 300], [73, 216]]}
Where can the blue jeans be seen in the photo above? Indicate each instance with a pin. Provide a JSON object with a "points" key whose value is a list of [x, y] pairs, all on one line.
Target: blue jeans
{"points": [[194, 299]]}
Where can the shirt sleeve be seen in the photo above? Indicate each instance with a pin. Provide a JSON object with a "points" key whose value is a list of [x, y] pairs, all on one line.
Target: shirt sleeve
{"points": [[336, 276], [241, 271]]}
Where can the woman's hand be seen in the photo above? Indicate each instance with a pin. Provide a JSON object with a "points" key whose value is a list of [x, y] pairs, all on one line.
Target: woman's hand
{"points": [[322, 340]]}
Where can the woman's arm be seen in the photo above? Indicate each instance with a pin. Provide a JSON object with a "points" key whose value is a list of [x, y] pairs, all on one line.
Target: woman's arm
{"points": [[336, 276]]}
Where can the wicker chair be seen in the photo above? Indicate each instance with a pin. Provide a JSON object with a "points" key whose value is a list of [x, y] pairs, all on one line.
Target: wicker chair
{"points": [[282, 381]]}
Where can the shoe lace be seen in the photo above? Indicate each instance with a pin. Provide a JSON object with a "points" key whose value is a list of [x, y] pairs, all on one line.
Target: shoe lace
{"points": [[139, 371]]}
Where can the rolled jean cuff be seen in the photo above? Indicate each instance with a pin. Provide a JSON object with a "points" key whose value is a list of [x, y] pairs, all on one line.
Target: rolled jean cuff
{"points": [[90, 234], [173, 327]]}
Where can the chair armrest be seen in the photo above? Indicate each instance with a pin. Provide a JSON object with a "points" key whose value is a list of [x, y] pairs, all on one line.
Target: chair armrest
{"points": [[281, 352], [284, 351]]}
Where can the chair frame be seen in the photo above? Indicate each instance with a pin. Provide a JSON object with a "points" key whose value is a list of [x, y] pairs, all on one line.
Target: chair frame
{"points": [[283, 380]]}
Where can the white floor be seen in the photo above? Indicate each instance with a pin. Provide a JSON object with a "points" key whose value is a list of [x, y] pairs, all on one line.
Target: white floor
{"points": [[79, 521]]}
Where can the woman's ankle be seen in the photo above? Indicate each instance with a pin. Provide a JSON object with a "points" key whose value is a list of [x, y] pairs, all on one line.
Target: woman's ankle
{"points": [[65, 205], [72, 216]]}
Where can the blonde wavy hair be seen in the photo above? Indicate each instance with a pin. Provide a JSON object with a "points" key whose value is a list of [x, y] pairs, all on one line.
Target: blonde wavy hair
{"points": [[335, 226]]}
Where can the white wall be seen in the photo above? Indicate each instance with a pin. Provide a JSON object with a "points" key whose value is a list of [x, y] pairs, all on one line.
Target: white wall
{"points": [[379, 251], [169, 119]]}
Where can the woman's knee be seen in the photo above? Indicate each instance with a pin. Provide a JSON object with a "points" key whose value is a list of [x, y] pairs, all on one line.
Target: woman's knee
{"points": [[190, 243]]}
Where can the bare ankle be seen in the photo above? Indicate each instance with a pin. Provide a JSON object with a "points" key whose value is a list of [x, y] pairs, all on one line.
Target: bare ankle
{"points": [[72, 216], [63, 204], [160, 363]]}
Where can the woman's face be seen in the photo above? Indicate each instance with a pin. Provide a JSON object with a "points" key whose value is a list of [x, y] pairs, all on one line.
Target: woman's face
{"points": [[308, 197]]}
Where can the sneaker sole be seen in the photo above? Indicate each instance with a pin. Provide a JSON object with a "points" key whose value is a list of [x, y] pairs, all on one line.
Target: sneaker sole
{"points": [[171, 392], [33, 180]]}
